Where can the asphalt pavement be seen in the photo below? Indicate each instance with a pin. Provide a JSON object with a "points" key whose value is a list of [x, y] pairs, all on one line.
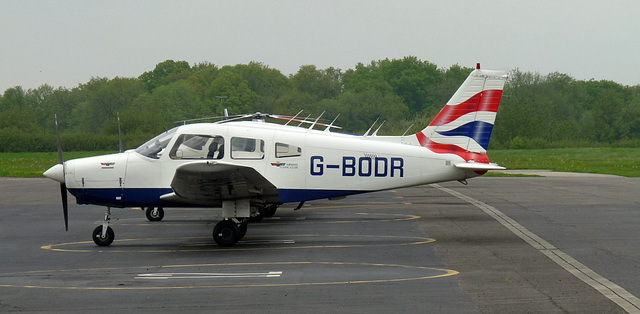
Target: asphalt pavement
{"points": [[425, 249]]}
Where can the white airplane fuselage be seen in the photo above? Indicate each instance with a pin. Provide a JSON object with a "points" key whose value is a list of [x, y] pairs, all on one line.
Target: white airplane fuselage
{"points": [[249, 168], [328, 165]]}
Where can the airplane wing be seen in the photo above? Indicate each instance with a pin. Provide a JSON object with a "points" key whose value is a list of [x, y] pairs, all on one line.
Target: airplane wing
{"points": [[209, 183], [478, 166]]}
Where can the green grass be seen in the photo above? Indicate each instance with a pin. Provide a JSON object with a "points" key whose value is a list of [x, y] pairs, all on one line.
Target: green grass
{"points": [[617, 161], [32, 165]]}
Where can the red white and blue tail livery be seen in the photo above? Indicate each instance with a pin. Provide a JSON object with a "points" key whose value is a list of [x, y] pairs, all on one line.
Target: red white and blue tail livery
{"points": [[463, 127], [249, 168]]}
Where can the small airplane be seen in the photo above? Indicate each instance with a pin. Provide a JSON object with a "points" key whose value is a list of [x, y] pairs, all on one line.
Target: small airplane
{"points": [[249, 168]]}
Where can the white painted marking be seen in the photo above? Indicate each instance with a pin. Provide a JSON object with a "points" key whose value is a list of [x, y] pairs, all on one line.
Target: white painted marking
{"points": [[196, 244], [208, 244], [612, 291], [165, 276], [267, 242]]}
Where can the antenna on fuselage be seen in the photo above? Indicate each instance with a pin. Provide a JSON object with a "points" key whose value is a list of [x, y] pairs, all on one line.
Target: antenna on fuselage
{"points": [[328, 129], [120, 135], [294, 117], [314, 122], [305, 120], [376, 131], [409, 128], [369, 130]]}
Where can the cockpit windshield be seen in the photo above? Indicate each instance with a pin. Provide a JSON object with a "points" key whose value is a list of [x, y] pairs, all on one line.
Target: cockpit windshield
{"points": [[154, 147]]}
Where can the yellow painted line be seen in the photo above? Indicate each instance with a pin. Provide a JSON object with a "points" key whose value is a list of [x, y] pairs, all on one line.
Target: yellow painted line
{"points": [[360, 204], [442, 273], [401, 217], [393, 218], [62, 247], [404, 218]]}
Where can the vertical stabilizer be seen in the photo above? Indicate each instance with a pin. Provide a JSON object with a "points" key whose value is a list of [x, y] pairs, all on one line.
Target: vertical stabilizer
{"points": [[465, 123]]}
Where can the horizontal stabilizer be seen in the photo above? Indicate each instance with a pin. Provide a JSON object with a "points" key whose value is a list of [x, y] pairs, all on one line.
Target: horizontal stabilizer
{"points": [[478, 166]]}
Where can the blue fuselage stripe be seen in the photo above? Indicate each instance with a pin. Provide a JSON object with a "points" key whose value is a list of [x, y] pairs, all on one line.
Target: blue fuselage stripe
{"points": [[137, 197], [299, 195], [130, 197]]}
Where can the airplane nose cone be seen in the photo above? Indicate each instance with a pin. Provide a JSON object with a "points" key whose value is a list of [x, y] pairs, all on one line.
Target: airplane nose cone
{"points": [[55, 173]]}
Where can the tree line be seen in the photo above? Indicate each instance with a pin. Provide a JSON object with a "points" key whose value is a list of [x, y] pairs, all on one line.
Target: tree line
{"points": [[537, 111]]}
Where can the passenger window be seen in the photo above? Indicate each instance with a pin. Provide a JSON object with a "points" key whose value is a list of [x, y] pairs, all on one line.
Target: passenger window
{"points": [[247, 148], [286, 150], [194, 146]]}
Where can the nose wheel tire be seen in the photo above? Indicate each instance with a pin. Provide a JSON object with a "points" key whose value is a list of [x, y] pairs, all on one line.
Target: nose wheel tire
{"points": [[99, 240], [154, 213], [226, 233]]}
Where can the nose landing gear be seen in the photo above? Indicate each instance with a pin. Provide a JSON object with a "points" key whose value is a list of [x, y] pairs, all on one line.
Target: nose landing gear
{"points": [[103, 235]]}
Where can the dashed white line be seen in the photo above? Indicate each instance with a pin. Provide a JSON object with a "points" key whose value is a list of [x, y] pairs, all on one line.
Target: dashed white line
{"points": [[612, 291], [165, 276]]}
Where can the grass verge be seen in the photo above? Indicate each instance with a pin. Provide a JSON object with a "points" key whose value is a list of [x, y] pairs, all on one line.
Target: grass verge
{"points": [[617, 161], [32, 165]]}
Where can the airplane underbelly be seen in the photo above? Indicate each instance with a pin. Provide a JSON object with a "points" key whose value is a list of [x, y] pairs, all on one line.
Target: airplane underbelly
{"points": [[121, 197]]}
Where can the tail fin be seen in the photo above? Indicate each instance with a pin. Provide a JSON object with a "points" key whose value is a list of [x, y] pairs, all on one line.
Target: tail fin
{"points": [[465, 124]]}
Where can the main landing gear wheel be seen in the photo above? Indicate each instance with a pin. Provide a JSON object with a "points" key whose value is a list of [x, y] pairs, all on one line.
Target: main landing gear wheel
{"points": [[257, 216], [154, 213], [243, 229], [270, 210], [264, 211], [226, 233], [99, 240]]}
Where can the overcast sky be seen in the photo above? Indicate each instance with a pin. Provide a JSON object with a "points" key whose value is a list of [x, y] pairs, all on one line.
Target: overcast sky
{"points": [[64, 43]]}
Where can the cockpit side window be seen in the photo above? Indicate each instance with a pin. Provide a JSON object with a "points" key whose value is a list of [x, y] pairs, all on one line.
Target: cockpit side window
{"points": [[247, 148], [154, 147], [195, 146]]}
